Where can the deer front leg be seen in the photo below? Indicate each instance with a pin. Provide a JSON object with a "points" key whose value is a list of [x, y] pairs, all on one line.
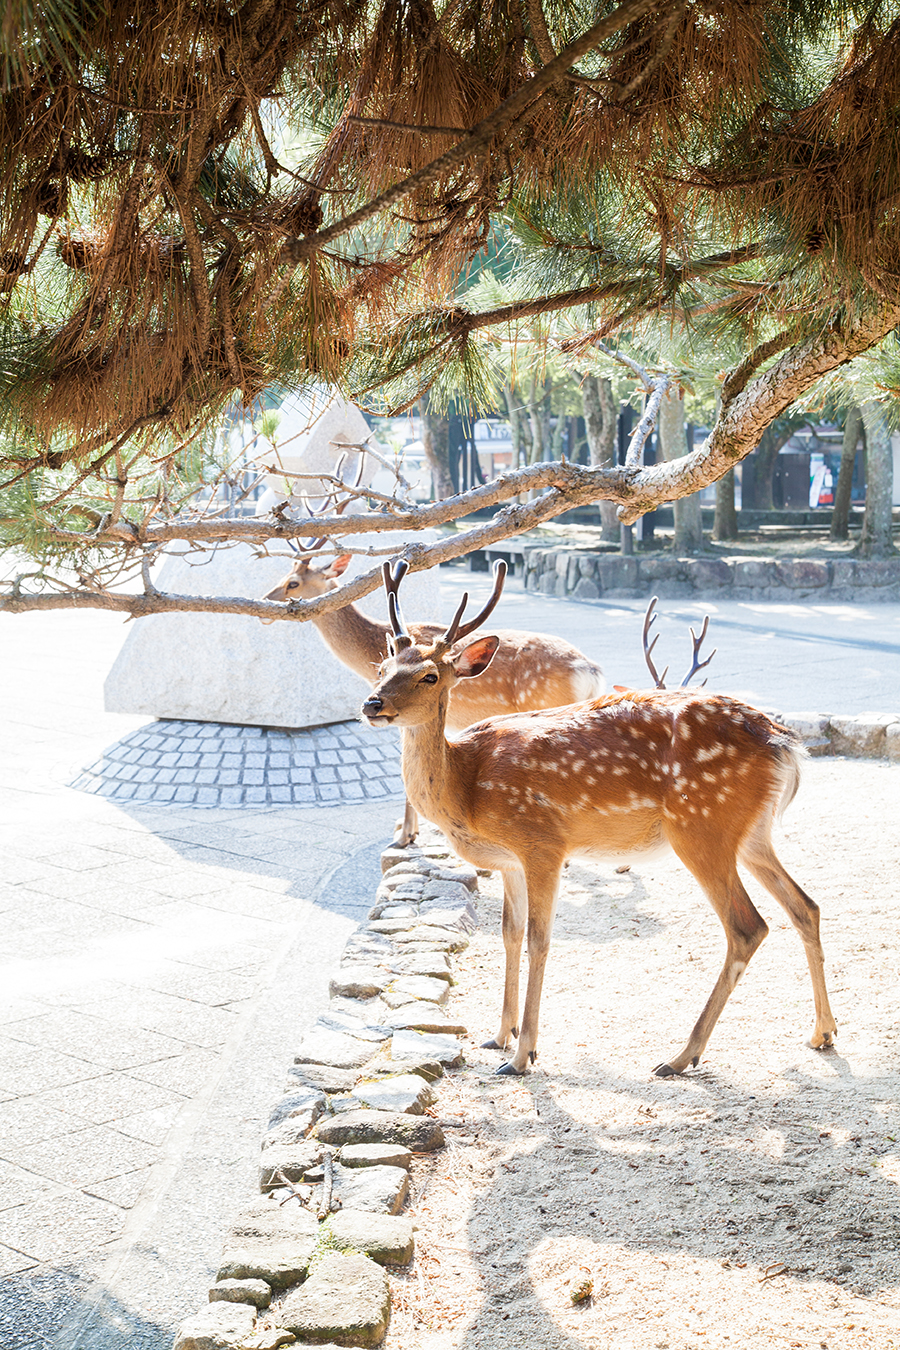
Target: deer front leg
{"points": [[406, 830], [515, 909], [542, 894]]}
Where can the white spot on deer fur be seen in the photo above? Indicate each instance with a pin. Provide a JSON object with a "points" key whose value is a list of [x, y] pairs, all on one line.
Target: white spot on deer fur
{"points": [[707, 752]]}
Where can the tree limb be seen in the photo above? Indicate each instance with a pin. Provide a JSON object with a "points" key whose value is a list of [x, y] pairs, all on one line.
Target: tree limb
{"points": [[481, 135]]}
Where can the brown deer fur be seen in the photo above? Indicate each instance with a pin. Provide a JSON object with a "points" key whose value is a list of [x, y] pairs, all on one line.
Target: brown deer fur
{"points": [[616, 776], [530, 670]]}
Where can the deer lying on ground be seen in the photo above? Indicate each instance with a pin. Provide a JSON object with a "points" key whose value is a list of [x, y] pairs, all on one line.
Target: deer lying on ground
{"points": [[529, 670], [617, 775]]}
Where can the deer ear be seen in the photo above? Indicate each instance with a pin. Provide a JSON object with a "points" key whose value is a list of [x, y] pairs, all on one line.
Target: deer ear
{"points": [[338, 566], [475, 658]]}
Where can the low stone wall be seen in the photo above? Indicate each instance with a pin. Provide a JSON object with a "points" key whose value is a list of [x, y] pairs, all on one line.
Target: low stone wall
{"points": [[304, 1263], [864, 736], [582, 575]]}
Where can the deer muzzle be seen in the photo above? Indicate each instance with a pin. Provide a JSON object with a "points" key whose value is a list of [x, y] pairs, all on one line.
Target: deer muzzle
{"points": [[377, 713]]}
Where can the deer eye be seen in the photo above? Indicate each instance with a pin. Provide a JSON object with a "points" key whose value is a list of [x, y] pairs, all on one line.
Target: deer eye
{"points": [[292, 585], [430, 678]]}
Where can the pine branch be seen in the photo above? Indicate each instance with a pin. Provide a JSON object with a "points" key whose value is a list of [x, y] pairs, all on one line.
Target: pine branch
{"points": [[481, 135]]}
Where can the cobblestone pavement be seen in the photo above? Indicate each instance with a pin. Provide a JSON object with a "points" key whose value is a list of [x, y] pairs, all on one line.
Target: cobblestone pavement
{"points": [[208, 764], [159, 961]]}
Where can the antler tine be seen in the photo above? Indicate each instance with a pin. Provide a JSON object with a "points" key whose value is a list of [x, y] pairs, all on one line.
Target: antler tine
{"points": [[649, 621], [458, 630], [695, 664], [391, 584]]}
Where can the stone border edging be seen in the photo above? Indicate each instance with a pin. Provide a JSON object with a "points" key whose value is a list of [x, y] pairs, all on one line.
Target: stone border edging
{"points": [[579, 574], [339, 1141], [859, 736]]}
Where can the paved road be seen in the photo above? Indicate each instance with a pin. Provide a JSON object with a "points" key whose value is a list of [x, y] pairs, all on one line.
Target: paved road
{"points": [[157, 963], [799, 657]]}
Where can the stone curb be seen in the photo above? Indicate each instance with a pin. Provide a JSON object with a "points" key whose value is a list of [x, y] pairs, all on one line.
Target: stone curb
{"points": [[581, 575], [303, 1265], [863, 736]]}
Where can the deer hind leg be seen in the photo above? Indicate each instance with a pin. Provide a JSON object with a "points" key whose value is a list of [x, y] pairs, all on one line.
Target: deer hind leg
{"points": [[405, 830], [515, 909], [760, 858], [543, 890], [744, 928]]}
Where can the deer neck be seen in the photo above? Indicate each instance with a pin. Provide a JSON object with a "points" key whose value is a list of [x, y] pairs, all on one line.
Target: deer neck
{"points": [[355, 639], [432, 772]]}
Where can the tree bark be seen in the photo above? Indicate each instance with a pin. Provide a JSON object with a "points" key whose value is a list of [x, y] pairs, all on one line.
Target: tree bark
{"points": [[766, 453], [853, 430], [600, 420], [670, 437], [436, 444], [536, 421], [877, 540], [725, 525]]}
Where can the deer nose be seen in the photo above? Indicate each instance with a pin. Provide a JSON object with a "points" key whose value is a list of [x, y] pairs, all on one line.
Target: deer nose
{"points": [[373, 706]]}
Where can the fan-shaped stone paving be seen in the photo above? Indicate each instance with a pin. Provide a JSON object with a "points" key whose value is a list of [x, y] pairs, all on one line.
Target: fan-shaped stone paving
{"points": [[214, 764]]}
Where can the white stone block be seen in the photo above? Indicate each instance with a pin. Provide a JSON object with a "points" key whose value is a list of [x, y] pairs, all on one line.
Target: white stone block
{"points": [[229, 668]]}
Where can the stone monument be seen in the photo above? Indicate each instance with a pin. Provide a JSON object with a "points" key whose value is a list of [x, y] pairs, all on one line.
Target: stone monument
{"points": [[230, 668]]}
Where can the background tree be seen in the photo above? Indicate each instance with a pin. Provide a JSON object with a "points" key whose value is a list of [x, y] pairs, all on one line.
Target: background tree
{"points": [[729, 170], [688, 532], [853, 433]]}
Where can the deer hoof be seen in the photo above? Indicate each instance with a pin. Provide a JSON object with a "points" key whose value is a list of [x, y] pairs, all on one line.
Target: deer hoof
{"points": [[491, 1045], [509, 1070], [665, 1071]]}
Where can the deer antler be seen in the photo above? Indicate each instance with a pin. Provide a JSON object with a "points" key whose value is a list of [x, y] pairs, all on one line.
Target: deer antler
{"points": [[392, 585], [341, 507], [649, 621], [695, 664], [459, 630]]}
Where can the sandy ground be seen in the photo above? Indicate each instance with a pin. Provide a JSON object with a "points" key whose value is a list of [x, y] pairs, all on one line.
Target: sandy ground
{"points": [[753, 1202]]}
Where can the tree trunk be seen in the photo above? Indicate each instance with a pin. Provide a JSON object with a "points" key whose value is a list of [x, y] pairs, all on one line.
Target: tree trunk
{"points": [[876, 541], [600, 423], [536, 422], [672, 443], [840, 516], [516, 430], [766, 454], [436, 444], [725, 525]]}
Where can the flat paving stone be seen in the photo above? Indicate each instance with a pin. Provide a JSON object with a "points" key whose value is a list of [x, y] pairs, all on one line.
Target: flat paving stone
{"points": [[305, 1103], [375, 1155], [270, 1242], [382, 1127], [358, 982], [346, 1298], [256, 1292], [424, 987], [420, 1016], [421, 1045], [337, 1048], [219, 1326], [405, 1092], [381, 1189], [286, 1161], [385, 1238]]}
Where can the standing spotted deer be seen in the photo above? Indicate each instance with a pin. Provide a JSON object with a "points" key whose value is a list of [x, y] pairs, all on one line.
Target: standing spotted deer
{"points": [[529, 670], [618, 775]]}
